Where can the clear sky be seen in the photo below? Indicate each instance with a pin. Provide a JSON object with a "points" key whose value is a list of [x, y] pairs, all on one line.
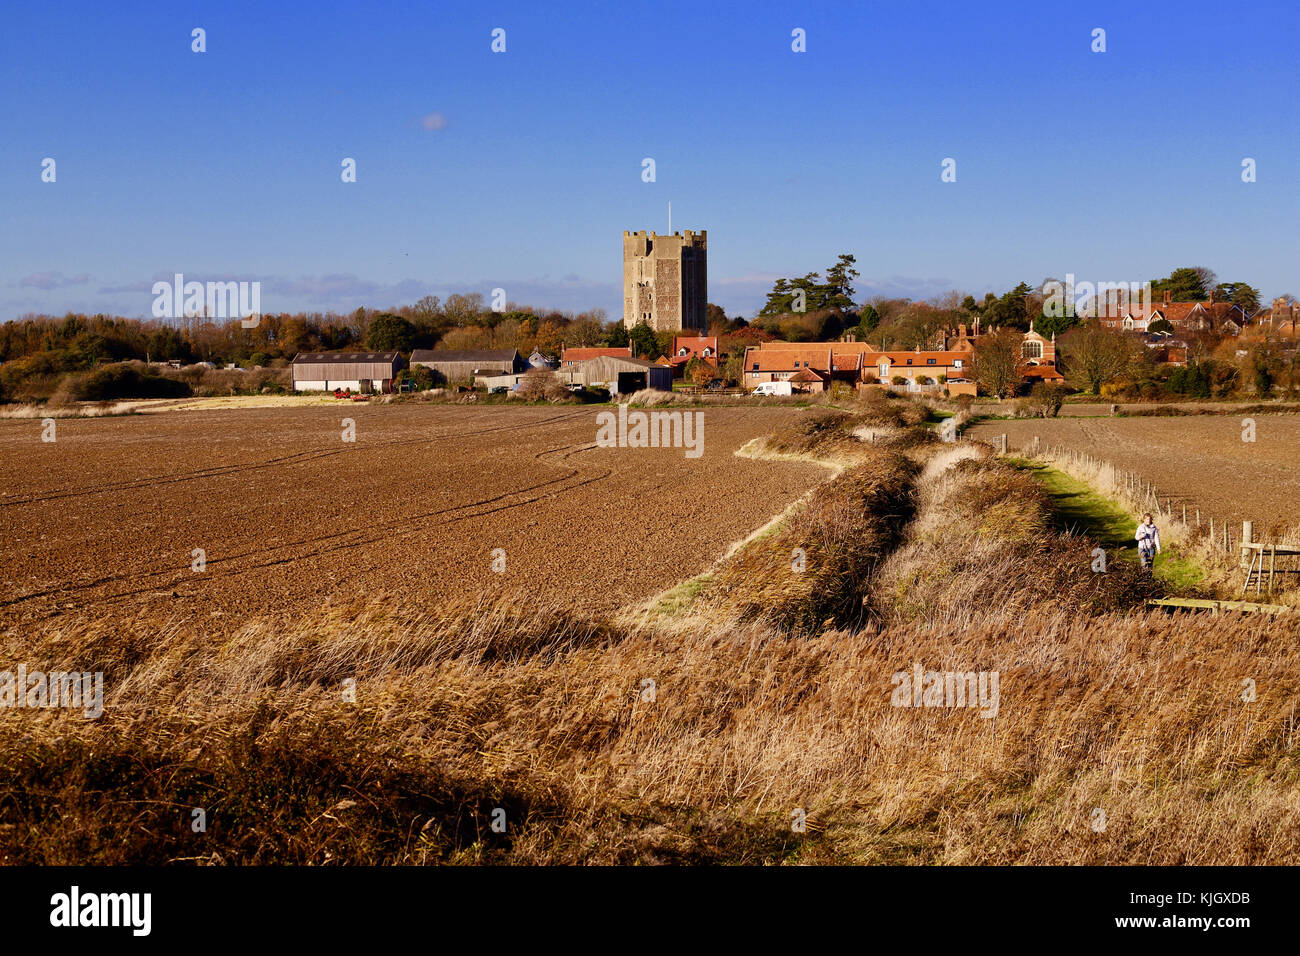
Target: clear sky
{"points": [[520, 170]]}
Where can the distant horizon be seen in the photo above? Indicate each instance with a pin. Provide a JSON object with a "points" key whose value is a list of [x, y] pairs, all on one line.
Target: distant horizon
{"points": [[1265, 300]]}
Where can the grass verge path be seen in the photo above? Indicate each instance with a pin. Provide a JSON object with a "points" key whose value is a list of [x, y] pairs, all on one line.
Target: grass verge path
{"points": [[1081, 509]]}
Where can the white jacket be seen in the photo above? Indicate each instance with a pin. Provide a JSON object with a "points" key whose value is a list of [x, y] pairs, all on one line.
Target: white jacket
{"points": [[1148, 537]]}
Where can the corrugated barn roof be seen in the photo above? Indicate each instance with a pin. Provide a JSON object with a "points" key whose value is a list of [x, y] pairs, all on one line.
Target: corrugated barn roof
{"points": [[463, 355], [341, 358]]}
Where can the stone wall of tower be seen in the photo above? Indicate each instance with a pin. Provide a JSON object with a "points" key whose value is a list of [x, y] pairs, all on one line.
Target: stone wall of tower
{"points": [[666, 280]]}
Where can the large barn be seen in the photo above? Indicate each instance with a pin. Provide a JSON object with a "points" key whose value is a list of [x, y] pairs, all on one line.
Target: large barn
{"points": [[622, 376], [467, 365], [364, 372]]}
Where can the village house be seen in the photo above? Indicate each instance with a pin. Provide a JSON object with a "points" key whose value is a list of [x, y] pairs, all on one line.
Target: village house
{"points": [[538, 360], [781, 361], [939, 371], [944, 367], [860, 365], [1136, 316], [808, 381], [1165, 348], [685, 348], [1282, 315], [1038, 360]]}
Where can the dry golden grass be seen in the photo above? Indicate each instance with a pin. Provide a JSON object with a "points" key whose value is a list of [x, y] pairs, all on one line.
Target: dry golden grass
{"points": [[1140, 716], [984, 540], [502, 702]]}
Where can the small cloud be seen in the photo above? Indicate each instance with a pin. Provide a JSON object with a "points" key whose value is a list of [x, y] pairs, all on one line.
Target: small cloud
{"points": [[433, 121], [52, 280]]}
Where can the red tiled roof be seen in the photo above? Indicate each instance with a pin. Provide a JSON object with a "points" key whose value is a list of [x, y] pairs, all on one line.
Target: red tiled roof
{"points": [[918, 359], [696, 343], [807, 375], [785, 360], [581, 355], [684, 359], [1046, 373], [839, 348]]}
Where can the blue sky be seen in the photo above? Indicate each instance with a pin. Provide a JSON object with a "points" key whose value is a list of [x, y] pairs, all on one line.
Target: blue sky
{"points": [[1115, 166]]}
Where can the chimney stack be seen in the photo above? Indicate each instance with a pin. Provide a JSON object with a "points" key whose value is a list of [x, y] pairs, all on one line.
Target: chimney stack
{"points": [[1166, 298], [1211, 297]]}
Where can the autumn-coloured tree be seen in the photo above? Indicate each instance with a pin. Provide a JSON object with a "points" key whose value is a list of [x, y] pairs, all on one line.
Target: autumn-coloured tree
{"points": [[550, 338], [471, 337], [1092, 355], [699, 372]]}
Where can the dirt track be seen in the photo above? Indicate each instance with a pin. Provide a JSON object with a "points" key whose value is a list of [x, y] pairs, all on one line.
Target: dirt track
{"points": [[290, 515]]}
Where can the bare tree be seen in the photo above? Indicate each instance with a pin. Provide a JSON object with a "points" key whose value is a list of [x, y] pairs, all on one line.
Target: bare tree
{"points": [[997, 357]]}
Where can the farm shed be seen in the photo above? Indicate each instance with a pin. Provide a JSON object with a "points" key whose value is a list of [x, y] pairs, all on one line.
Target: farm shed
{"points": [[565, 375], [623, 376], [573, 356], [359, 371], [466, 365]]}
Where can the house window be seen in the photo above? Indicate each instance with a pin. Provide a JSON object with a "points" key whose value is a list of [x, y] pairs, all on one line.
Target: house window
{"points": [[956, 363], [909, 361], [929, 361], [755, 366], [1032, 349]]}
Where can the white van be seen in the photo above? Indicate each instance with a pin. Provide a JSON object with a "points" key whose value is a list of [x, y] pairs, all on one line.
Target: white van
{"points": [[774, 388]]}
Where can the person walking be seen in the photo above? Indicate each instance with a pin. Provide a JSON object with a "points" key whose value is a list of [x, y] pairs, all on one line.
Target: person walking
{"points": [[1148, 539]]}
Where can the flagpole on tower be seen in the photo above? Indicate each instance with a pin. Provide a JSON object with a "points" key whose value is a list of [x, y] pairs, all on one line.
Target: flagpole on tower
{"points": [[670, 217]]}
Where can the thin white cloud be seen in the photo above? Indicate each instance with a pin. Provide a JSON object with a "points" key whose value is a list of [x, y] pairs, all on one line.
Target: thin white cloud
{"points": [[52, 280]]}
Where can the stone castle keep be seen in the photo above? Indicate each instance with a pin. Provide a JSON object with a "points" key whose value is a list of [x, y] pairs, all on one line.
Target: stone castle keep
{"points": [[666, 280]]}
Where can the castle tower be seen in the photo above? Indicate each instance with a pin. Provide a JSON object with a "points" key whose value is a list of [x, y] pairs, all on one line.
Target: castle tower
{"points": [[666, 280]]}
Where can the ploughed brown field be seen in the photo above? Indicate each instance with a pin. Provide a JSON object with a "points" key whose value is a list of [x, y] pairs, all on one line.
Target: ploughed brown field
{"points": [[106, 519], [1200, 460]]}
